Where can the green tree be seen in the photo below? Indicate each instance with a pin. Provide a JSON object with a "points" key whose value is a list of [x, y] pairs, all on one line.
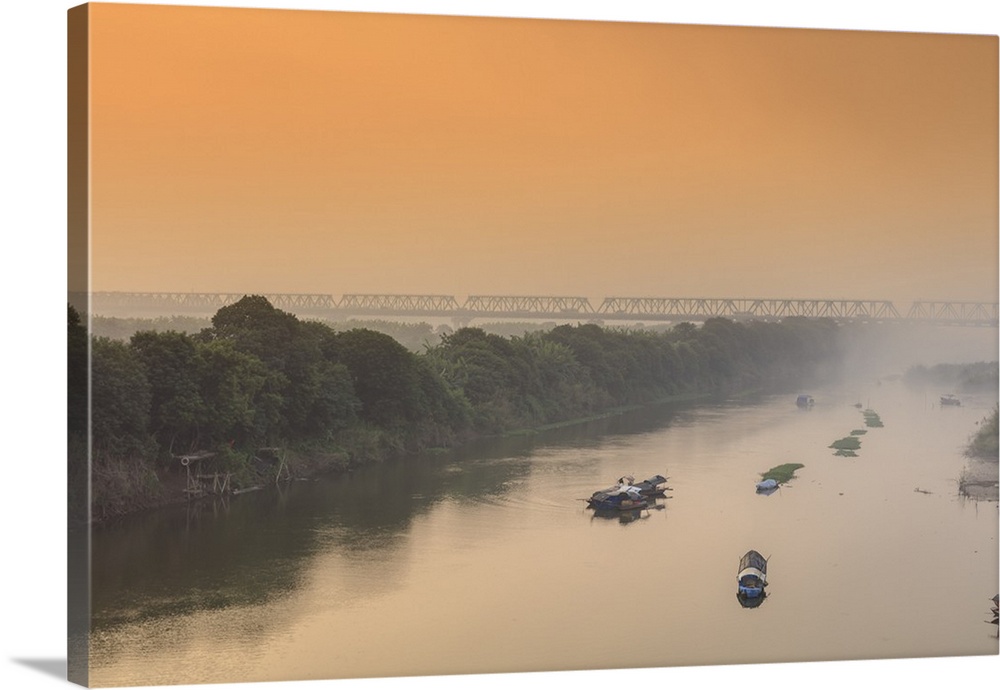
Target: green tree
{"points": [[121, 398], [312, 396], [383, 373], [76, 374], [177, 411], [121, 476], [238, 408], [77, 407]]}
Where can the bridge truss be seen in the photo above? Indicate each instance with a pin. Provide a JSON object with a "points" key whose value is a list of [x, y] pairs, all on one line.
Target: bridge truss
{"points": [[697, 309], [635, 309]]}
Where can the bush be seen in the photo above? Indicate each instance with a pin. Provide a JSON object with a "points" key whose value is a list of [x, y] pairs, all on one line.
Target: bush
{"points": [[985, 444]]}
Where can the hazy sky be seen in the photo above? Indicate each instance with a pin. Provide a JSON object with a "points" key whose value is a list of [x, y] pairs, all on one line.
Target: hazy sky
{"points": [[249, 150]]}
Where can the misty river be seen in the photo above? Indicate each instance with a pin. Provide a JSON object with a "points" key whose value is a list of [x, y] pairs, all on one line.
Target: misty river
{"points": [[488, 560]]}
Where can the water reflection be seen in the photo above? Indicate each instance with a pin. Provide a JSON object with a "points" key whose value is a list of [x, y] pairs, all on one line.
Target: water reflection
{"points": [[251, 549]]}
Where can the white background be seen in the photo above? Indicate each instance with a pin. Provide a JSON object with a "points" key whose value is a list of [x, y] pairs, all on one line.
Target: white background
{"points": [[32, 387]]}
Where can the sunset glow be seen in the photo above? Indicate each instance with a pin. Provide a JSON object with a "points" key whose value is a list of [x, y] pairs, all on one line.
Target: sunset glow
{"points": [[332, 152]]}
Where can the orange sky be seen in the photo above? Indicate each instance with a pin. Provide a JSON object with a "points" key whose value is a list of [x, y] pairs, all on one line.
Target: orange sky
{"points": [[249, 150]]}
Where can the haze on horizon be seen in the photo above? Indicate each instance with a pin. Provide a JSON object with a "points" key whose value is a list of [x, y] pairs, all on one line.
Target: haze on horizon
{"points": [[249, 150]]}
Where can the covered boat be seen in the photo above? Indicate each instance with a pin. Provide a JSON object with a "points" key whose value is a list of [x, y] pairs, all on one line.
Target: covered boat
{"points": [[654, 486], [767, 485], [752, 575], [618, 497]]}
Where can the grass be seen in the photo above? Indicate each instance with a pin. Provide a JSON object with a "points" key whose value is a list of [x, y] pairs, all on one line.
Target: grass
{"points": [[846, 447], [846, 443], [872, 419], [782, 473]]}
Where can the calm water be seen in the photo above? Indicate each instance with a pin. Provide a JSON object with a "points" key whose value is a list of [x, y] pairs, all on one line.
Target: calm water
{"points": [[489, 561]]}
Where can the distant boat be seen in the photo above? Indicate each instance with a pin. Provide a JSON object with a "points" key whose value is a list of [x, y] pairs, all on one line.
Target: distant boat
{"points": [[752, 575], [805, 401], [950, 399]]}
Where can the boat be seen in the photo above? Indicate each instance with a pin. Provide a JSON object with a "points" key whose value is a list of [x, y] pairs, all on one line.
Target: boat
{"points": [[618, 497], [654, 486], [626, 515], [950, 399], [805, 401], [752, 575], [605, 502], [767, 485]]}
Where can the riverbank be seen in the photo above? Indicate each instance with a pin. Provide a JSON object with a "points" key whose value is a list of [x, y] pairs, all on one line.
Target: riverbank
{"points": [[309, 461]]}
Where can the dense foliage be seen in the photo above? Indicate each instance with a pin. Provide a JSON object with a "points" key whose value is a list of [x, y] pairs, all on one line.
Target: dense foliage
{"points": [[985, 444], [259, 377]]}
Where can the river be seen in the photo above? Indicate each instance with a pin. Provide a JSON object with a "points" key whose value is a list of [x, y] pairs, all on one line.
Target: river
{"points": [[487, 559]]}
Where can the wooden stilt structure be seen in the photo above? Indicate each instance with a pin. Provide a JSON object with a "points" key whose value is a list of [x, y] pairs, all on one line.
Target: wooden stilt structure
{"points": [[195, 488], [282, 466]]}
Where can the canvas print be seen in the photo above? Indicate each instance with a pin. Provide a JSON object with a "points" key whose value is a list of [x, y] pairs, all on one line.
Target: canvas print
{"points": [[416, 345]]}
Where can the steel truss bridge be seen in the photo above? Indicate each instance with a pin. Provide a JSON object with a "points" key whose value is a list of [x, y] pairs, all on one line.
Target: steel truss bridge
{"points": [[633, 309]]}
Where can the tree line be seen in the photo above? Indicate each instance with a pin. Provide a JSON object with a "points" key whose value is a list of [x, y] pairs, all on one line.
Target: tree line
{"points": [[259, 377]]}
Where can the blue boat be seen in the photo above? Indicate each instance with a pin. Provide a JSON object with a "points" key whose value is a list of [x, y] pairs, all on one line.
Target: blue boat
{"points": [[805, 401], [619, 497], [752, 575], [767, 486]]}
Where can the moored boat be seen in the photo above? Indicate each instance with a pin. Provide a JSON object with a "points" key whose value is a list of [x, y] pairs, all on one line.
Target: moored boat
{"points": [[767, 485], [950, 399], [752, 575], [628, 494], [805, 401], [621, 496], [618, 497], [610, 504], [654, 486]]}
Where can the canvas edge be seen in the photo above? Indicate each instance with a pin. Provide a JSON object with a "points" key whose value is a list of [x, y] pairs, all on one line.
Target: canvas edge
{"points": [[78, 384]]}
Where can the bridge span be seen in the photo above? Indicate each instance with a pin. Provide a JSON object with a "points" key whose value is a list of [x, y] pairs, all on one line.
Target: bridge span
{"points": [[630, 309]]}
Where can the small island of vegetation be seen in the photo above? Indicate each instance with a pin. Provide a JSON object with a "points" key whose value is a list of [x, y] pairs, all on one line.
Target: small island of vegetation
{"points": [[847, 446], [782, 473]]}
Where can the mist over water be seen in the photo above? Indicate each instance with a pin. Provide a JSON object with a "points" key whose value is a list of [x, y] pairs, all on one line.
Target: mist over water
{"points": [[893, 348]]}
